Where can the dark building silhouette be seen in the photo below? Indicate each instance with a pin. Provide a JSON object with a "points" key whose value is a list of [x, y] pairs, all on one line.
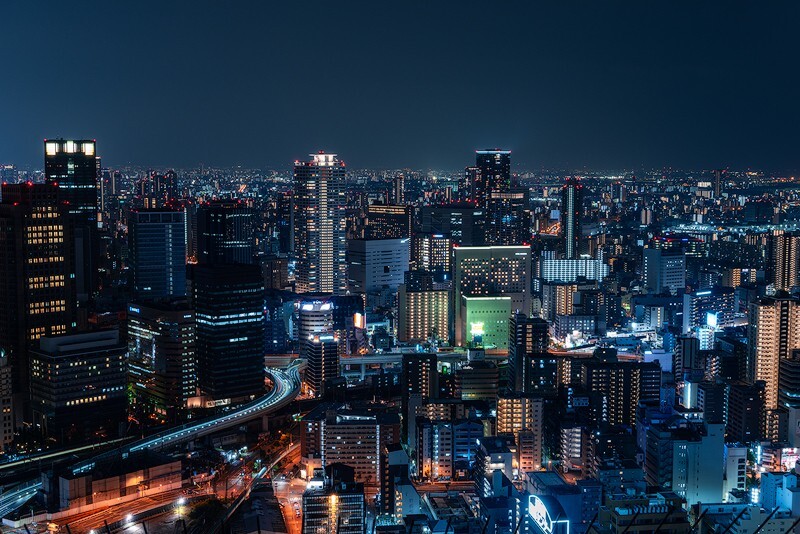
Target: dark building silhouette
{"points": [[157, 248], [225, 233], [571, 213]]}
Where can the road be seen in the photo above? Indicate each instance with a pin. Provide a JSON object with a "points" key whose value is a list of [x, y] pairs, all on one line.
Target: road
{"points": [[290, 494], [286, 387]]}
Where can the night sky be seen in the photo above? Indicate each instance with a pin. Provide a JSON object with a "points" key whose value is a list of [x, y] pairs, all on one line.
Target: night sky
{"points": [[567, 85]]}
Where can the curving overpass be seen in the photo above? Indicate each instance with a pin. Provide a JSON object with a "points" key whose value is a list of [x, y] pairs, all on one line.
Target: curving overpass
{"points": [[286, 387]]}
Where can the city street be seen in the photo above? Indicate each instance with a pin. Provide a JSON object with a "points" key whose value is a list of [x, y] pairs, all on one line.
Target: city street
{"points": [[290, 494]]}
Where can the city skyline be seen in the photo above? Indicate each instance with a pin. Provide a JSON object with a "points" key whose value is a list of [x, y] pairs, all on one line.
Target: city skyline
{"points": [[563, 86]]}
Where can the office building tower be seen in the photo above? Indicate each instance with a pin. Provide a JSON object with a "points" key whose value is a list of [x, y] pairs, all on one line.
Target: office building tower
{"points": [[478, 380], [785, 259], [686, 457], [225, 233], [423, 315], [388, 221], [663, 271], [773, 333], [571, 213], [78, 386], [508, 218], [319, 203], [420, 383], [493, 175], [431, 252], [355, 438], [745, 411], [534, 369], [463, 223], [375, 268], [276, 272], [228, 301], [6, 403], [322, 353], [714, 307], [719, 175], [314, 317], [333, 507], [490, 272], [72, 167], [157, 248], [620, 386], [485, 321], [399, 189], [37, 274], [162, 359], [552, 269], [522, 417]]}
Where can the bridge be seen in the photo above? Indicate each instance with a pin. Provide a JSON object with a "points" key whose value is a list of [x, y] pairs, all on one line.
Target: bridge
{"points": [[287, 385]]}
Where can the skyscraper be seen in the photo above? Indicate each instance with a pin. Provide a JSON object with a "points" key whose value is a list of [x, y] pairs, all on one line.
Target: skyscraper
{"points": [[533, 369], [663, 270], [319, 224], [773, 333], [571, 212], [162, 360], [490, 272], [157, 248], [225, 233], [229, 306], [73, 167], [493, 174], [37, 274], [785, 259]]}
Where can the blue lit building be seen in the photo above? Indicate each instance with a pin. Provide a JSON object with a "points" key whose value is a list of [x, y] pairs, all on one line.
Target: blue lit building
{"points": [[157, 244]]}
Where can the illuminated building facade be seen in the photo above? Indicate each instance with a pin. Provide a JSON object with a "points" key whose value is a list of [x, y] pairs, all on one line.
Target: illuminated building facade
{"points": [[78, 386], [319, 203], [322, 353], [571, 213], [37, 274], [157, 248], [229, 307], [785, 259], [431, 252], [388, 221], [773, 333], [490, 272], [423, 315], [225, 233], [162, 366], [486, 321], [493, 175], [522, 417], [332, 507]]}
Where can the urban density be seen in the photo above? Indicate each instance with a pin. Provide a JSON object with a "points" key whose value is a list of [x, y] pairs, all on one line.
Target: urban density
{"points": [[315, 346]]}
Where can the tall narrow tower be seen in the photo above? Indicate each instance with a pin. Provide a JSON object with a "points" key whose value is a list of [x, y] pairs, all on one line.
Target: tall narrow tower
{"points": [[571, 207], [319, 203]]}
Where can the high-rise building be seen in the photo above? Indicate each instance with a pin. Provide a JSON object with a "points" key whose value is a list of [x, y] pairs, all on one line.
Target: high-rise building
{"points": [[423, 315], [773, 333], [399, 189], [431, 252], [6, 403], [463, 223], [162, 360], [663, 270], [331, 507], [375, 268], [157, 248], [571, 213], [490, 271], [534, 369], [319, 224], [508, 217], [78, 386], [493, 175], [228, 301], [785, 259], [714, 307], [388, 221], [322, 353], [156, 190], [522, 416], [73, 167], [225, 233], [620, 386], [686, 457], [37, 275]]}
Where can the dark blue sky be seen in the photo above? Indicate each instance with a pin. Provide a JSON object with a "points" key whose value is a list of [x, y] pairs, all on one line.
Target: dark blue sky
{"points": [[598, 84]]}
